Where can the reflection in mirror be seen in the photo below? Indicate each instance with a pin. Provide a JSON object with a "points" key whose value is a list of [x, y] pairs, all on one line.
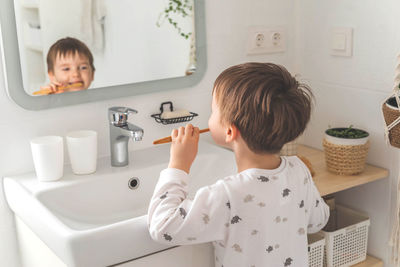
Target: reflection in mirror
{"points": [[71, 45]]}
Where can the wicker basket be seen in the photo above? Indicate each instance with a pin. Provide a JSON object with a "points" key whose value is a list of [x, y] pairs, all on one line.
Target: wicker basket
{"points": [[345, 159], [289, 149], [390, 114]]}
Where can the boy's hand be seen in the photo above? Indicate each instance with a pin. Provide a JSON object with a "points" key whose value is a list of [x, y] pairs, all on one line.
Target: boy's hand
{"points": [[184, 147], [52, 87]]}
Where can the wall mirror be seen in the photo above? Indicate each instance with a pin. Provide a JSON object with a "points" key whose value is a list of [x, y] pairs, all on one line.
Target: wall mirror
{"points": [[121, 48]]}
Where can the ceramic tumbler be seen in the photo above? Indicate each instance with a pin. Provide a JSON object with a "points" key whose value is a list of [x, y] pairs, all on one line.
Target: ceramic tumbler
{"points": [[82, 151], [48, 157]]}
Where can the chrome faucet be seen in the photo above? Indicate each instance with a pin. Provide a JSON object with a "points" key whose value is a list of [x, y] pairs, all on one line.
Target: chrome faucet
{"points": [[120, 132]]}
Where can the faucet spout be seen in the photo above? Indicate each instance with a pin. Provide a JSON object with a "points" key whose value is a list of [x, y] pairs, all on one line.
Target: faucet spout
{"points": [[132, 131], [120, 133]]}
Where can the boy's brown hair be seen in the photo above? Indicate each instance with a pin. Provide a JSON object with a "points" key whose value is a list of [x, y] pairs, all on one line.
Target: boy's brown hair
{"points": [[67, 46], [265, 102]]}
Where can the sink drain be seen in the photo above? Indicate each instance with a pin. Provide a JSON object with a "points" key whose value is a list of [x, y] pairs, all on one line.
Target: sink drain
{"points": [[133, 183]]}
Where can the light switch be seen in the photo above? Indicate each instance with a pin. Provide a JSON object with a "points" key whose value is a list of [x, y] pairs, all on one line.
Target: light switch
{"points": [[342, 41], [339, 41]]}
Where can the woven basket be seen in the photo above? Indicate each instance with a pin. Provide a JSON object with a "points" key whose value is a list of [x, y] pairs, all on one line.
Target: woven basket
{"points": [[390, 115], [289, 149], [345, 159]]}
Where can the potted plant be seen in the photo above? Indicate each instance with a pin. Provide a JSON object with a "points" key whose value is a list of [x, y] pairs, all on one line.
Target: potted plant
{"points": [[346, 150], [391, 114], [175, 10]]}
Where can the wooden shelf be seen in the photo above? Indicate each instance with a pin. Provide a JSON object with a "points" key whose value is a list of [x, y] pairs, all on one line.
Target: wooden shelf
{"points": [[370, 262], [328, 183]]}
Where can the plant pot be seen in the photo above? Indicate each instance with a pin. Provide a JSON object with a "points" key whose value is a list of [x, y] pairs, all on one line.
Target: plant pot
{"points": [[345, 156], [390, 113]]}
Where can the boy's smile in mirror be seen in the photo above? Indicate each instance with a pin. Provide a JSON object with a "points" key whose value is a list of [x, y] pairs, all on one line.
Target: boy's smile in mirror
{"points": [[71, 69]]}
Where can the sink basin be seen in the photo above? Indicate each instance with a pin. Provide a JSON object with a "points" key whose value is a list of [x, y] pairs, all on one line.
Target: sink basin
{"points": [[98, 219]]}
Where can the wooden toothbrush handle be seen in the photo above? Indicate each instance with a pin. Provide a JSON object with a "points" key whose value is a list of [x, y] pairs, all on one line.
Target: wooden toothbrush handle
{"points": [[169, 138]]}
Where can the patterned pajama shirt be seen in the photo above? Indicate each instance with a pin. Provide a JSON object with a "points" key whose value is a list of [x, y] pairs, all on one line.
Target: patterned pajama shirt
{"points": [[256, 218]]}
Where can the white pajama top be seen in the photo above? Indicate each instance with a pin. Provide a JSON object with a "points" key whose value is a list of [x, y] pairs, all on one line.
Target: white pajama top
{"points": [[256, 218]]}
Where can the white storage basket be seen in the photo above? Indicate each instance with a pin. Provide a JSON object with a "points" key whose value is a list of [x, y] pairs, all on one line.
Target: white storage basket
{"points": [[316, 245], [347, 238]]}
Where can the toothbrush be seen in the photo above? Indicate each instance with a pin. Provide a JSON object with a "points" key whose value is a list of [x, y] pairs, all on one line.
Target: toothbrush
{"points": [[60, 89], [169, 139]]}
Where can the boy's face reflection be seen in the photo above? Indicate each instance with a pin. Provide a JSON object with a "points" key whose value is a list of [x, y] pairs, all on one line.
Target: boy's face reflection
{"points": [[72, 68]]}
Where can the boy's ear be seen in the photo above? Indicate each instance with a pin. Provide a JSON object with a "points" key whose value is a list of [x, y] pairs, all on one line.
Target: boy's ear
{"points": [[232, 133]]}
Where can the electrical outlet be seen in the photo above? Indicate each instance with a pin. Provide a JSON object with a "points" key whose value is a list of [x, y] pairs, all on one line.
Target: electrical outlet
{"points": [[276, 38], [260, 40], [264, 40]]}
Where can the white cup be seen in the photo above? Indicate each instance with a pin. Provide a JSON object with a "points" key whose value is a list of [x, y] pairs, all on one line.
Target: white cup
{"points": [[48, 157], [82, 151]]}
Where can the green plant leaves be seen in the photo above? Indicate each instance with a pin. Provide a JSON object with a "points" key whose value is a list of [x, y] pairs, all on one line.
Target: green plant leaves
{"points": [[178, 7], [349, 132]]}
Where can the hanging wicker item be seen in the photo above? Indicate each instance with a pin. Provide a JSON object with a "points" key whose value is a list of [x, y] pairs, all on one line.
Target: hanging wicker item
{"points": [[391, 115]]}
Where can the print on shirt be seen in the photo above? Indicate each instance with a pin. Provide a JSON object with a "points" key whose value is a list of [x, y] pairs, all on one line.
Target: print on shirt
{"points": [[301, 205], [182, 212], [288, 262], [254, 232], [269, 249], [274, 177], [164, 196], [316, 203], [278, 219], [286, 192], [263, 179], [167, 237], [206, 218], [191, 238], [228, 204], [301, 231], [261, 204], [248, 198], [237, 248], [306, 180], [235, 219]]}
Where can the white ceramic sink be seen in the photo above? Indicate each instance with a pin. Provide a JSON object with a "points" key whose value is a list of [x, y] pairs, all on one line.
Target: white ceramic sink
{"points": [[97, 220]]}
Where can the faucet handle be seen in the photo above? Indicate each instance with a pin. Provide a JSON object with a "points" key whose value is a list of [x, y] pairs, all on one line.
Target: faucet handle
{"points": [[119, 115]]}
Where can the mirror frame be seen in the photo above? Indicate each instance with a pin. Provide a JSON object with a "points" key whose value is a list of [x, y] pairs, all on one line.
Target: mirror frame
{"points": [[13, 74]]}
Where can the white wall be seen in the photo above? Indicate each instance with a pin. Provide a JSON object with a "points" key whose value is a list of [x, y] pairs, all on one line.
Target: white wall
{"points": [[227, 22], [351, 90]]}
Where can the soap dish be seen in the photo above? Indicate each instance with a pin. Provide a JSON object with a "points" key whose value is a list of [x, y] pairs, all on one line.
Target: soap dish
{"points": [[158, 118]]}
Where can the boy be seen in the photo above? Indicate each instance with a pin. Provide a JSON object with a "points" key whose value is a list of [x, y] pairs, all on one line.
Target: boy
{"points": [[69, 66], [261, 215]]}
